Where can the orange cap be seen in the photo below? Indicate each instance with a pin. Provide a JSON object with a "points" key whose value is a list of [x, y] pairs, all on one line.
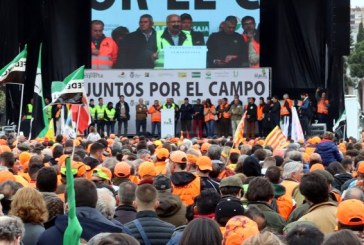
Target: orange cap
{"points": [[122, 169], [162, 153], [361, 167], [314, 140], [317, 166], [5, 148], [147, 169], [78, 168], [178, 157], [306, 157], [191, 158], [24, 158], [204, 163], [3, 142], [350, 212], [238, 229], [205, 147], [6, 175]]}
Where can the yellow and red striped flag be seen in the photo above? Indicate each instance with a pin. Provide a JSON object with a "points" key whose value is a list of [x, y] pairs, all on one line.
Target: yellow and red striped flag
{"points": [[275, 138], [239, 132]]}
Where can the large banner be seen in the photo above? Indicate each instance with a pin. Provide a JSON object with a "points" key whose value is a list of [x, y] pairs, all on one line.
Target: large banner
{"points": [[177, 84], [207, 15]]}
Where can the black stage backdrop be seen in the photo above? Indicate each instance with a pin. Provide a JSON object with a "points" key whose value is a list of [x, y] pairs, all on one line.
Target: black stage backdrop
{"points": [[62, 26], [297, 41]]}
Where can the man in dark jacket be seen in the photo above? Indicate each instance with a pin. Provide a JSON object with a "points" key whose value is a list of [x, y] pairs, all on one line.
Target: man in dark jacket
{"points": [[251, 117], [328, 150], [198, 119], [91, 220], [139, 48], [226, 49], [147, 228], [125, 212], [186, 111], [275, 112], [122, 115]]}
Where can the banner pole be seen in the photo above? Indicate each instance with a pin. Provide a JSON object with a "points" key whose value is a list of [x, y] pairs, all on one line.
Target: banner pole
{"points": [[21, 107]]}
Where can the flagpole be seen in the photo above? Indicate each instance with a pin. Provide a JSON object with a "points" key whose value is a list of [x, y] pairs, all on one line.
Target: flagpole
{"points": [[21, 107]]}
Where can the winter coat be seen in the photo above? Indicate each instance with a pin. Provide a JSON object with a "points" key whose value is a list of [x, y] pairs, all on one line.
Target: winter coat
{"points": [[91, 221], [157, 231], [328, 151], [323, 215], [125, 213]]}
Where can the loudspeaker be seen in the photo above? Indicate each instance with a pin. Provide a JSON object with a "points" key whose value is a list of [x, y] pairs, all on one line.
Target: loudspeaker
{"points": [[339, 26]]}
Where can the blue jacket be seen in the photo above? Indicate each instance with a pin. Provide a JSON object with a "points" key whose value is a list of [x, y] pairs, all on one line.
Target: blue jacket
{"points": [[328, 151], [92, 223]]}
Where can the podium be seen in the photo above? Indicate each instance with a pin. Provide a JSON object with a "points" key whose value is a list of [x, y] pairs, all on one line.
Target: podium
{"points": [[167, 123], [185, 57]]}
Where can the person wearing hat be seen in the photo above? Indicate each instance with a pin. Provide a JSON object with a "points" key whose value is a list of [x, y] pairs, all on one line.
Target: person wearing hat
{"points": [[231, 186], [204, 167], [101, 176], [186, 111], [239, 229], [161, 155], [185, 184], [227, 208], [146, 173], [122, 173], [350, 216], [170, 208]]}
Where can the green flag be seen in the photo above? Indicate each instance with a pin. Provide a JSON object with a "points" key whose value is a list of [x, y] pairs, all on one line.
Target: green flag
{"points": [[71, 91], [74, 230], [14, 71], [40, 118]]}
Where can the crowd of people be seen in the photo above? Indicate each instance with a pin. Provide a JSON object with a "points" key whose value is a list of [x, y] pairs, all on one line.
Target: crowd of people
{"points": [[203, 119], [144, 48], [183, 191]]}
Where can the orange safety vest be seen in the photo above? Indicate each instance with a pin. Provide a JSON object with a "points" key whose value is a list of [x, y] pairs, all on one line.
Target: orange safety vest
{"points": [[284, 110], [107, 56], [188, 192], [256, 47], [209, 115], [322, 106], [285, 205], [156, 115], [260, 112], [225, 114]]}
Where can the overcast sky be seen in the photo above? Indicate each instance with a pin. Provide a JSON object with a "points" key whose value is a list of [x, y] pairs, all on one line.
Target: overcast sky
{"points": [[355, 3]]}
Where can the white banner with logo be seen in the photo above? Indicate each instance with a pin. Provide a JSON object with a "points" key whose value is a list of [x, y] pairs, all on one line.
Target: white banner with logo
{"points": [[177, 84], [167, 123]]}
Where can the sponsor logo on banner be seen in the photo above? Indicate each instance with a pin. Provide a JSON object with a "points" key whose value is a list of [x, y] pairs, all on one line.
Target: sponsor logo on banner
{"points": [[202, 26], [208, 74], [262, 74], [94, 75], [182, 74], [196, 74], [221, 74], [121, 75]]}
